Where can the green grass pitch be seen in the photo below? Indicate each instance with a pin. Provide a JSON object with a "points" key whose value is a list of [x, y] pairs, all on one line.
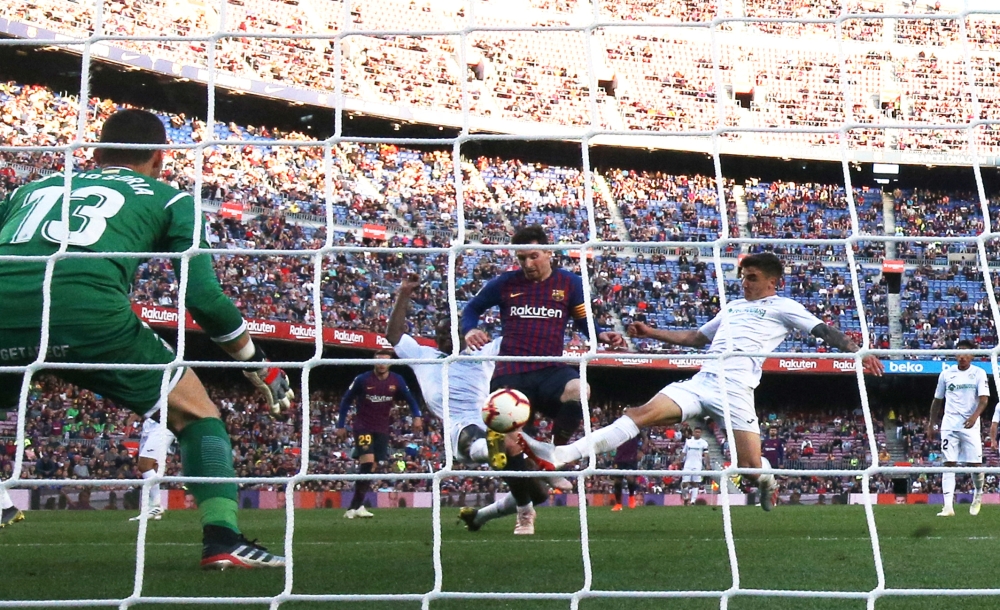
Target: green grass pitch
{"points": [[66, 555]]}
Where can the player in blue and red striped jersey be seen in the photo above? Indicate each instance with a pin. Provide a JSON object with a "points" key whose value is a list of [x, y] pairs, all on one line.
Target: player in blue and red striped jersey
{"points": [[536, 302], [374, 392]]}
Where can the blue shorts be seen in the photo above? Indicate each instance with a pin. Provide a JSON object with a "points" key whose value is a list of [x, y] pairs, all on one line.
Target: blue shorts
{"points": [[543, 387]]}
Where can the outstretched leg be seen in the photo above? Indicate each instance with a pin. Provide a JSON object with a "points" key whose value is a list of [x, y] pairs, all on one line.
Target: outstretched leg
{"points": [[659, 411]]}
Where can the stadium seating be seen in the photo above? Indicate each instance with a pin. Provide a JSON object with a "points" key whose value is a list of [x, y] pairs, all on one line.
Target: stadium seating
{"points": [[412, 194], [664, 82]]}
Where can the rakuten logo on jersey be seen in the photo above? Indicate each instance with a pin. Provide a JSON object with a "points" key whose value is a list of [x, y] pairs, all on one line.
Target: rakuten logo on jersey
{"points": [[260, 328], [797, 365], [302, 332], [347, 336], [844, 365], [535, 313], [158, 315], [905, 367]]}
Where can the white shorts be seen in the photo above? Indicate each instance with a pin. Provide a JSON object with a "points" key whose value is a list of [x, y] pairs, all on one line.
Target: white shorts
{"points": [[154, 444], [962, 445], [456, 430], [700, 397], [691, 478]]}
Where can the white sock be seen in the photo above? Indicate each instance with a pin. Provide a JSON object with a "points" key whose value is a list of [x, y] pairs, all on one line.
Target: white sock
{"points": [[5, 501], [478, 451], [765, 479], [154, 490], [527, 508], [694, 495], [978, 480], [603, 440], [948, 486], [500, 508]]}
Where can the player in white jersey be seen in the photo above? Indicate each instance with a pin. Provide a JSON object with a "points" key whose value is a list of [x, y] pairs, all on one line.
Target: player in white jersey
{"points": [[468, 387], [964, 390], [757, 323], [155, 441], [695, 458]]}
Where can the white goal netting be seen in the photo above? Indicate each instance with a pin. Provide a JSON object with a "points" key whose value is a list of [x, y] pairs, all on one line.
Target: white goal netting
{"points": [[732, 77]]}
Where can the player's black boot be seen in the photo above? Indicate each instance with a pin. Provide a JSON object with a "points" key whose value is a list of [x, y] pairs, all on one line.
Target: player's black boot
{"points": [[223, 548], [10, 516]]}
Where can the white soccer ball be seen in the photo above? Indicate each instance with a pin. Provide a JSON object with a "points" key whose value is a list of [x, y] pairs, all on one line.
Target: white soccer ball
{"points": [[506, 410]]}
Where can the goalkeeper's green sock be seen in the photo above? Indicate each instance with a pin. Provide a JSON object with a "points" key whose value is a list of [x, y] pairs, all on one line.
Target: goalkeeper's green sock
{"points": [[207, 452]]}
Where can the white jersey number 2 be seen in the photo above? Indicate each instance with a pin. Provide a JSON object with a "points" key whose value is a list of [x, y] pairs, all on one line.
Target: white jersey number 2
{"points": [[92, 205]]}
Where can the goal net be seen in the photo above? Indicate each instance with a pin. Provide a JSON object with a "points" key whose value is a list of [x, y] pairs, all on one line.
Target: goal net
{"points": [[332, 223]]}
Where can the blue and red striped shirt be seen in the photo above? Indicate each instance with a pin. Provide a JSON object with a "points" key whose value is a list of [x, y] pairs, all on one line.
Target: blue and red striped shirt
{"points": [[375, 398], [533, 315]]}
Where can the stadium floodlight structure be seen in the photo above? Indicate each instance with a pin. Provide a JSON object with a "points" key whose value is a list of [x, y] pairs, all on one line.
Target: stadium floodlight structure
{"points": [[89, 48]]}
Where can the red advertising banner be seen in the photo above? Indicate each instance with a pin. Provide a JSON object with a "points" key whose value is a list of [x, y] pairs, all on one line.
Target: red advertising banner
{"points": [[370, 231], [893, 266], [284, 331], [771, 365], [272, 329], [231, 209]]}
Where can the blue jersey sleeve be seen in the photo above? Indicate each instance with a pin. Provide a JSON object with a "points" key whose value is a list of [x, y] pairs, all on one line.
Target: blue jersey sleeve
{"points": [[348, 399], [579, 309], [405, 393], [488, 297], [576, 306]]}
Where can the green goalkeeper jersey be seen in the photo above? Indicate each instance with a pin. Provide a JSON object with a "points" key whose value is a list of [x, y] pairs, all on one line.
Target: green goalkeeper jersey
{"points": [[111, 210]]}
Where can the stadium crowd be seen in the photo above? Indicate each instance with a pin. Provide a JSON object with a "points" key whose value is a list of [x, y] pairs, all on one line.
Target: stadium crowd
{"points": [[412, 193], [74, 434], [662, 83]]}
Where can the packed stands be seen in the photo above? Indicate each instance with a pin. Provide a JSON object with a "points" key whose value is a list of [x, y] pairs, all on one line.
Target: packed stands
{"points": [[412, 193], [75, 434], [663, 81]]}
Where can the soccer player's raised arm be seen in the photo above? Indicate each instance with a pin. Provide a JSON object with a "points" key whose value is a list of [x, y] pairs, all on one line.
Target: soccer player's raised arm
{"points": [[396, 327], [686, 338], [842, 342], [488, 297]]}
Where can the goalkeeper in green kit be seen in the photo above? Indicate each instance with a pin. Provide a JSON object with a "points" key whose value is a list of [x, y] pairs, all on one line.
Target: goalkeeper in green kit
{"points": [[122, 207]]}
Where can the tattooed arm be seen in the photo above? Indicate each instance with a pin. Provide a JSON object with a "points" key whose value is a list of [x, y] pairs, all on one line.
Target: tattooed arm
{"points": [[832, 336]]}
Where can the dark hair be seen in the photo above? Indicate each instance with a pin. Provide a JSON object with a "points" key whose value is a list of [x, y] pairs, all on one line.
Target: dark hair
{"points": [[384, 352], [965, 344], [766, 262], [529, 234], [132, 126]]}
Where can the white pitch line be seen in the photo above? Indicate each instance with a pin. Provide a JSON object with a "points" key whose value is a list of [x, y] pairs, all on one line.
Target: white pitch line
{"points": [[533, 540]]}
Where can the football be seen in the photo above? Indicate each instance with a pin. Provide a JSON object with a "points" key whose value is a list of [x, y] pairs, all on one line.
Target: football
{"points": [[506, 410]]}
